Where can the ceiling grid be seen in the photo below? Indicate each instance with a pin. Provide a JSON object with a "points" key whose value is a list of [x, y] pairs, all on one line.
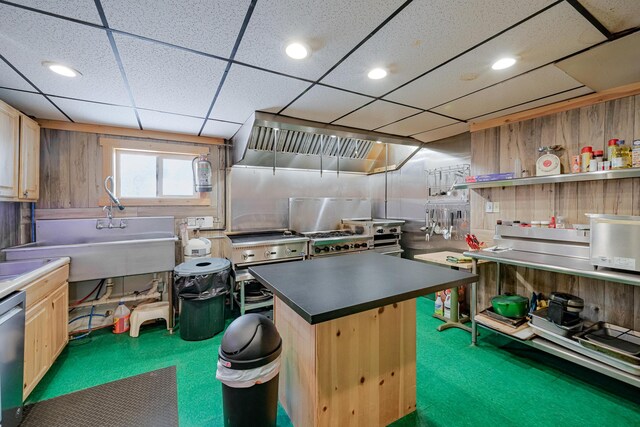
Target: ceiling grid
{"points": [[116, 54], [382, 110]]}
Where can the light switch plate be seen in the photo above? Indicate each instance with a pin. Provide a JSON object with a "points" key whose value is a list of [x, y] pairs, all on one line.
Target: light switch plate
{"points": [[200, 222], [496, 207], [488, 207]]}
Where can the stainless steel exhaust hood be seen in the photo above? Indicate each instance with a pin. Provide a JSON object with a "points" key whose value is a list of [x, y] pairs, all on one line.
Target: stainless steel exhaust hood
{"points": [[303, 144]]}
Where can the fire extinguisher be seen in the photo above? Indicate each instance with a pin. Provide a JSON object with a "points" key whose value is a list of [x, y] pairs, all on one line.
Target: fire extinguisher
{"points": [[201, 174]]}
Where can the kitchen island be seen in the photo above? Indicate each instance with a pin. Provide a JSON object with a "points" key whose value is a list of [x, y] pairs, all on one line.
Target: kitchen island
{"points": [[348, 326]]}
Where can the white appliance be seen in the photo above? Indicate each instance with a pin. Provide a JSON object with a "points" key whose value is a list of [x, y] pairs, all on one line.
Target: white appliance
{"points": [[197, 248]]}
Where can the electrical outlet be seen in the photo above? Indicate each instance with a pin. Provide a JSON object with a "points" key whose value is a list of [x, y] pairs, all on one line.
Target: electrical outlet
{"points": [[200, 222], [488, 207], [496, 207]]}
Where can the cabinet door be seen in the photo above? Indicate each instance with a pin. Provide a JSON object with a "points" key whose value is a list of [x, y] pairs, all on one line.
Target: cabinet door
{"points": [[37, 350], [9, 126], [59, 302], [29, 159]]}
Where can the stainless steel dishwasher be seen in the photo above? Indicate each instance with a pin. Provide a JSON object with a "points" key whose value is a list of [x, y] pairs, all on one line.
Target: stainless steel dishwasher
{"points": [[12, 308]]}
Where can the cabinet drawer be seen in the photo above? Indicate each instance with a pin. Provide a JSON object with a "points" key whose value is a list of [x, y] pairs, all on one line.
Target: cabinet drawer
{"points": [[45, 285]]}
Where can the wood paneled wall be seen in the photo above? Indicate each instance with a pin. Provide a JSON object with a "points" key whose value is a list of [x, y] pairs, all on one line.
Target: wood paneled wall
{"points": [[71, 180], [14, 224], [496, 149]]}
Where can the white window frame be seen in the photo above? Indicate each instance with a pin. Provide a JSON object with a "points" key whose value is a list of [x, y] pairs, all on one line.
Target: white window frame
{"points": [[162, 150]]}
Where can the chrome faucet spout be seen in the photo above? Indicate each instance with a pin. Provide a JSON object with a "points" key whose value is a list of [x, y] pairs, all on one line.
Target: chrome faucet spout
{"points": [[108, 187]]}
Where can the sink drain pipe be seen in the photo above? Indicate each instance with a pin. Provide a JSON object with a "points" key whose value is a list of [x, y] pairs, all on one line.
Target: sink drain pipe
{"points": [[153, 293]]}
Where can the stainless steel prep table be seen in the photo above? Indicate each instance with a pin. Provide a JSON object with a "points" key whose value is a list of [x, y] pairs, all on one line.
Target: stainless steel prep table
{"points": [[557, 264]]}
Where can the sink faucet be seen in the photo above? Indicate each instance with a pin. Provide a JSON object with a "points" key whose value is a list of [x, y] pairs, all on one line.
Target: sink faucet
{"points": [[108, 187], [109, 212]]}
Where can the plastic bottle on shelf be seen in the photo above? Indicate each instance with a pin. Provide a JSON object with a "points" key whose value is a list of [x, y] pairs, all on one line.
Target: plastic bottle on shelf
{"points": [[439, 305], [121, 319], [611, 145], [447, 304], [635, 154], [621, 156], [585, 158]]}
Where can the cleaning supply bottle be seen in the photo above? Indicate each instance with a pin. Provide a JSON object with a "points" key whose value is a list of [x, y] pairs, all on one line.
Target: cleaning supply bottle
{"points": [[121, 319], [439, 305], [447, 304]]}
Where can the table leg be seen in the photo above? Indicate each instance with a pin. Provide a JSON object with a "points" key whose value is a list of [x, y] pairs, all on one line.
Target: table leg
{"points": [[242, 298], [172, 320], [454, 321], [498, 278], [474, 302]]}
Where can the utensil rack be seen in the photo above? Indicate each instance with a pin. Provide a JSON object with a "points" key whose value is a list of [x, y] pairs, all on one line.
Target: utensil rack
{"points": [[449, 218], [441, 182]]}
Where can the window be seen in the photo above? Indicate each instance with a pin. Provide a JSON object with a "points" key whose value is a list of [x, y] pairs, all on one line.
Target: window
{"points": [[151, 173]]}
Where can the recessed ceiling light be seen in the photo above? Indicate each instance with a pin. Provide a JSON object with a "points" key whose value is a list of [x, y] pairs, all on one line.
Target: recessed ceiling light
{"points": [[377, 74], [503, 63], [63, 70], [378, 142], [297, 50]]}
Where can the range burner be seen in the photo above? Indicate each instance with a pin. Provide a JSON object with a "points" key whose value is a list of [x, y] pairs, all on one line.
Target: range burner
{"points": [[335, 242], [329, 234]]}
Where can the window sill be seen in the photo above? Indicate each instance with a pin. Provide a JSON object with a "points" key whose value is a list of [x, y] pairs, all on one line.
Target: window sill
{"points": [[203, 201]]}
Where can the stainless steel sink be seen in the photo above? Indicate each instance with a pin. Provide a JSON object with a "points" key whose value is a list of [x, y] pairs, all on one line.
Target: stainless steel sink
{"points": [[145, 245], [12, 269]]}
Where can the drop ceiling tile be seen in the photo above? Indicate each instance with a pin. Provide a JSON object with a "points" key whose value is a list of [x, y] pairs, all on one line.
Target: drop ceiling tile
{"points": [[84, 10], [545, 81], [9, 78], [28, 38], [204, 25], [153, 120], [31, 104], [246, 90], [100, 114], [324, 104], [377, 114], [553, 34], [220, 129], [169, 79], [443, 132], [616, 15], [606, 66], [416, 124], [330, 27], [424, 35], [538, 103]]}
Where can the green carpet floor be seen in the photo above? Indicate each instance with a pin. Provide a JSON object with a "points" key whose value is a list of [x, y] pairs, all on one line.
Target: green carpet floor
{"points": [[498, 383]]}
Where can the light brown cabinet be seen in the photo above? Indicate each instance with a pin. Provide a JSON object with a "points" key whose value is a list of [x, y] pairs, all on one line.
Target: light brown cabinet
{"points": [[45, 334], [29, 176], [37, 354], [9, 151], [20, 146]]}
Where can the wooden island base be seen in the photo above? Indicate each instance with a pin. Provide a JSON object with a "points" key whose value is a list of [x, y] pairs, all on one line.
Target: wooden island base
{"points": [[355, 370]]}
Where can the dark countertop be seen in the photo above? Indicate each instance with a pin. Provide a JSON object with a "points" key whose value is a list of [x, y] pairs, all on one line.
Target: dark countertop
{"points": [[333, 287]]}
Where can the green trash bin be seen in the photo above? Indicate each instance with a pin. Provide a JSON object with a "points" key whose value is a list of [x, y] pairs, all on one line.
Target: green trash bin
{"points": [[201, 318], [201, 286]]}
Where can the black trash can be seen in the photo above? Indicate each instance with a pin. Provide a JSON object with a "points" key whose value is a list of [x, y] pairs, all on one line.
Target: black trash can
{"points": [[248, 367], [201, 286]]}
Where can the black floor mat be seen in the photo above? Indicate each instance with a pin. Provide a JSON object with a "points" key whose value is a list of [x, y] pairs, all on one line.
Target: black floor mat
{"points": [[143, 400]]}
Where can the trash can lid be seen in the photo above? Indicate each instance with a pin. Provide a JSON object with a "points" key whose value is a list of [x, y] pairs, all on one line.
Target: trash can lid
{"points": [[202, 266], [250, 341]]}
